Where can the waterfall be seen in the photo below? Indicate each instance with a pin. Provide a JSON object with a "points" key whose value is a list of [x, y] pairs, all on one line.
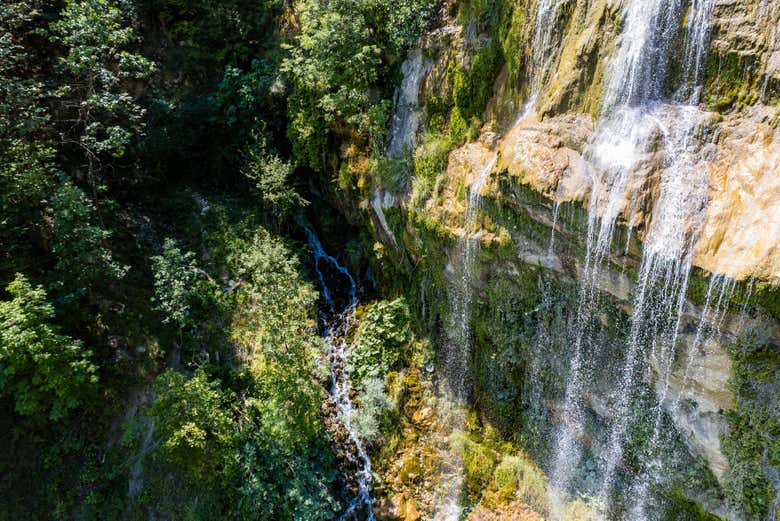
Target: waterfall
{"points": [[406, 118], [543, 46], [456, 357], [634, 118], [338, 325], [456, 353], [711, 319]]}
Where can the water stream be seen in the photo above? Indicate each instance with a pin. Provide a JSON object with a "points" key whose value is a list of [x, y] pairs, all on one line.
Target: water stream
{"points": [[547, 12], [337, 326], [457, 355], [639, 112]]}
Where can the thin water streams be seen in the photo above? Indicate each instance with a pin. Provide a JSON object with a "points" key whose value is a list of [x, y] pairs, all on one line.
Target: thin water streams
{"points": [[456, 358], [456, 353], [634, 119], [337, 327]]}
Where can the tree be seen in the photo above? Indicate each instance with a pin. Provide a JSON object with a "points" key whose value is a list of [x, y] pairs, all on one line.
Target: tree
{"points": [[175, 278], [273, 328], [83, 258], [100, 61], [21, 92], [192, 416], [47, 373], [335, 64], [271, 175]]}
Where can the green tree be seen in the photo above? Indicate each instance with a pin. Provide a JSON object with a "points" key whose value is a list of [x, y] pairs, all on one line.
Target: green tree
{"points": [[78, 243], [47, 373], [100, 61], [21, 92], [333, 64], [273, 328], [175, 280], [272, 177], [193, 418], [336, 62]]}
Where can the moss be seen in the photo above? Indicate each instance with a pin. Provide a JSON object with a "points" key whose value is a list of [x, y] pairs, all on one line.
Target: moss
{"points": [[458, 127], [510, 34], [753, 443], [730, 81], [472, 88], [751, 296], [436, 110], [518, 475], [393, 174], [767, 298], [683, 509], [479, 462]]}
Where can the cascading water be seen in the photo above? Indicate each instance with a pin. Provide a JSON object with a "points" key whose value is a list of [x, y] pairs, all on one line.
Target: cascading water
{"points": [[710, 322], [543, 47], [406, 118], [337, 326], [634, 118], [544, 31], [456, 355]]}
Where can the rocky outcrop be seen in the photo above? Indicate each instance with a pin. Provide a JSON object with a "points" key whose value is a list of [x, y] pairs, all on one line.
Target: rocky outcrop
{"points": [[720, 160], [741, 234]]}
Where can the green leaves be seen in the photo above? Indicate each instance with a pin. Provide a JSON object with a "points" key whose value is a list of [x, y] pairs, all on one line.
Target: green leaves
{"points": [[380, 341], [175, 277], [272, 177], [99, 39], [192, 416], [261, 450], [47, 373], [78, 243], [339, 56]]}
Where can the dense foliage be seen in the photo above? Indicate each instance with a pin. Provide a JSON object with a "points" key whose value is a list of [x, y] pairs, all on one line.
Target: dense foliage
{"points": [[159, 342]]}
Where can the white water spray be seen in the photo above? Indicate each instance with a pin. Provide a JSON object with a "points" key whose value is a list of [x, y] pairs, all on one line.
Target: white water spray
{"points": [[634, 118]]}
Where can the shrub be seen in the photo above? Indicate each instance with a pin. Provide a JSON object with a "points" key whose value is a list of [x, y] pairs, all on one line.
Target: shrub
{"points": [[380, 341]]}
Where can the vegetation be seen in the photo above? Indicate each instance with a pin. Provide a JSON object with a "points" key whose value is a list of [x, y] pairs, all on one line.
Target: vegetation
{"points": [[161, 351], [753, 443], [44, 372]]}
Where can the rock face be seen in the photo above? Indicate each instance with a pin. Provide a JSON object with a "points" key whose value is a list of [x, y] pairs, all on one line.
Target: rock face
{"points": [[741, 236], [703, 190], [406, 117]]}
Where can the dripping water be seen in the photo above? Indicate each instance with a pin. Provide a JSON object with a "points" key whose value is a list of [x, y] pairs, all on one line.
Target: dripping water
{"points": [[456, 353], [457, 356], [634, 118], [337, 325], [547, 12]]}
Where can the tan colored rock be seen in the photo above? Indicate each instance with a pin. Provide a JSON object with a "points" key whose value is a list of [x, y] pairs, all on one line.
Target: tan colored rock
{"points": [[423, 416], [389, 509], [543, 155], [576, 83], [741, 234], [515, 511], [411, 512]]}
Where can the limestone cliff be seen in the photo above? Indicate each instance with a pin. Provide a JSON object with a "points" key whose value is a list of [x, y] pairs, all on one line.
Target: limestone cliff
{"points": [[685, 171]]}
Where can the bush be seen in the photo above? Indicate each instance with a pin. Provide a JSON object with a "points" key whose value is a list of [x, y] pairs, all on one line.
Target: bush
{"points": [[45, 372], [381, 340], [374, 403]]}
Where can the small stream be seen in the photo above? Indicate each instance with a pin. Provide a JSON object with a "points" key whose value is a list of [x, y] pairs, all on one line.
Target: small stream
{"points": [[338, 320]]}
